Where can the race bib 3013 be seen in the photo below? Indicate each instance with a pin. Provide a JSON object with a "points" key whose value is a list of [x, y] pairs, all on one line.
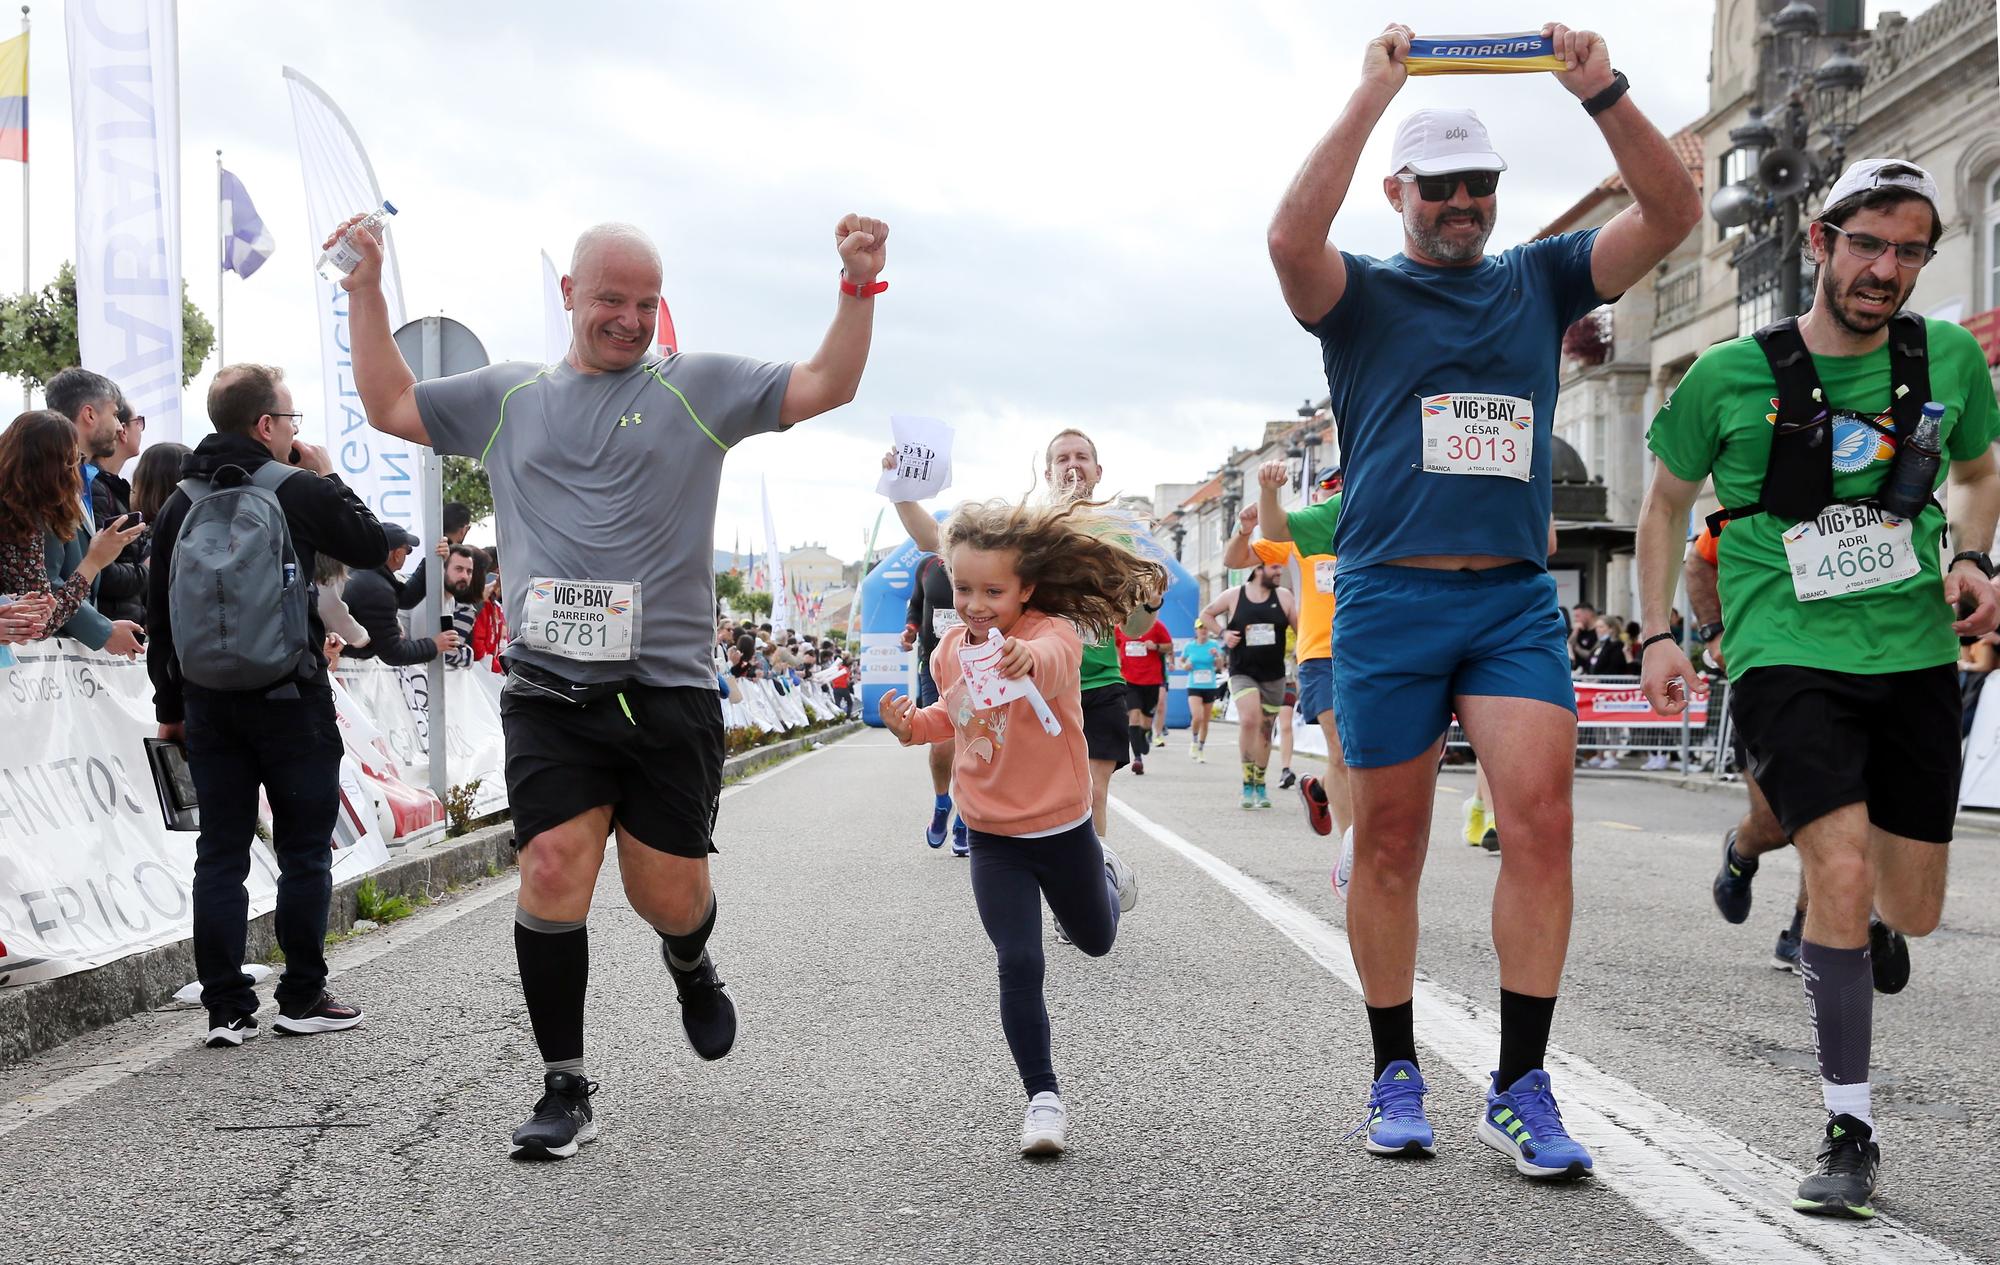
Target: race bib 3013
{"points": [[1469, 432]]}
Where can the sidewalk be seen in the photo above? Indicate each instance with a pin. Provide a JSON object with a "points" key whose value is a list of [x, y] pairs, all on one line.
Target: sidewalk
{"points": [[36, 1017]]}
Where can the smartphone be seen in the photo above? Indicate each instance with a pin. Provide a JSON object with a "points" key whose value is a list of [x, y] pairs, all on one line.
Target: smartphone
{"points": [[447, 624], [129, 521]]}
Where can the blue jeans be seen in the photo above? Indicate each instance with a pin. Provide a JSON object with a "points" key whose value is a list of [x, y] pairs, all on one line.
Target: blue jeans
{"points": [[1009, 879], [291, 747]]}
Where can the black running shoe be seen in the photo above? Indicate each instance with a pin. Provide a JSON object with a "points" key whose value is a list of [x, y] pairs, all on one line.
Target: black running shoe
{"points": [[562, 1120], [1786, 955], [227, 1034], [1287, 779], [1889, 956], [706, 1011], [1490, 840], [1842, 1184], [1732, 882], [327, 1014]]}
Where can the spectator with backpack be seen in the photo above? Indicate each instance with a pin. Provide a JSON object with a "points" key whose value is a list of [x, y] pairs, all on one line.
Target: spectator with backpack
{"points": [[240, 676]]}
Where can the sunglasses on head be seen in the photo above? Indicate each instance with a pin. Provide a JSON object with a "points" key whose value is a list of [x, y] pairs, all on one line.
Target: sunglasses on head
{"points": [[1480, 184]]}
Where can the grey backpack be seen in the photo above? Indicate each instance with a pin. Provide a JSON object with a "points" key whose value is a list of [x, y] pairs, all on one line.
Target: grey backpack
{"points": [[235, 594]]}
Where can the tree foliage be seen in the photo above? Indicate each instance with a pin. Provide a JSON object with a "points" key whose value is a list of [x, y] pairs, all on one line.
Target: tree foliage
{"points": [[38, 332], [465, 482], [729, 588]]}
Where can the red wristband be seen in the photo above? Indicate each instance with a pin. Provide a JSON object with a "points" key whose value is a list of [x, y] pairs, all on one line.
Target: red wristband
{"points": [[868, 291]]}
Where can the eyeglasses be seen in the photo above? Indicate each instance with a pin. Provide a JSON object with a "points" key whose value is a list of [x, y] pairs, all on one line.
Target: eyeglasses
{"points": [[293, 416], [1480, 184], [1867, 246]]}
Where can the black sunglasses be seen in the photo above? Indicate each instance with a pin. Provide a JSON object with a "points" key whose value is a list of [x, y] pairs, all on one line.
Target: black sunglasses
{"points": [[1480, 184]]}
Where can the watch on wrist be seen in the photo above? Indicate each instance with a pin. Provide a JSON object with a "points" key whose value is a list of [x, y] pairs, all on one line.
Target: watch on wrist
{"points": [[1976, 558], [1708, 632], [1594, 106]]}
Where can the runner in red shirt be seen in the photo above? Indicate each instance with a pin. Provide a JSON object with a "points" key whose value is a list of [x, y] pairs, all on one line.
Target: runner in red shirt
{"points": [[1143, 661]]}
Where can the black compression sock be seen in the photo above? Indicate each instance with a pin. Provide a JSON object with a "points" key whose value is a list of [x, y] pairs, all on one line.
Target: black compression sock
{"points": [[1524, 1034], [1137, 736], [1394, 1031], [554, 959], [684, 951]]}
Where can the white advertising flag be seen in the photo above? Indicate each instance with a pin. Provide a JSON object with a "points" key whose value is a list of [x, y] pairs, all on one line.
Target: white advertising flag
{"points": [[555, 319], [124, 87], [383, 470], [774, 566]]}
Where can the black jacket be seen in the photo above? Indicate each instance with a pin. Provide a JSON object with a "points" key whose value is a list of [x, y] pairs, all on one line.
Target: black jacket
{"points": [[324, 515], [375, 596], [121, 587]]}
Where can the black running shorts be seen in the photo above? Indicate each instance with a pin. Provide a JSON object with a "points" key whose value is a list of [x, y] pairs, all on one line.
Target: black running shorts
{"points": [[1144, 699], [1821, 740], [1104, 724], [654, 754]]}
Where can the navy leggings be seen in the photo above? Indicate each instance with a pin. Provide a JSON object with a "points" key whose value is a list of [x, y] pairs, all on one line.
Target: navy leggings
{"points": [[1009, 879]]}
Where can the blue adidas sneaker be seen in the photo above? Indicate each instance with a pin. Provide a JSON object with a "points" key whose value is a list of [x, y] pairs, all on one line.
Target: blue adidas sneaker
{"points": [[1525, 1125], [961, 846], [1396, 1124], [940, 822]]}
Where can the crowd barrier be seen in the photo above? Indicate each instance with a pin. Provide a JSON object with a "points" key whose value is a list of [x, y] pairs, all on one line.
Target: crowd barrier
{"points": [[90, 871]]}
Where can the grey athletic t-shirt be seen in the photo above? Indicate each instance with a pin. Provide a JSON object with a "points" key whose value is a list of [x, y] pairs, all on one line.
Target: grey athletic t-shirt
{"points": [[607, 479]]}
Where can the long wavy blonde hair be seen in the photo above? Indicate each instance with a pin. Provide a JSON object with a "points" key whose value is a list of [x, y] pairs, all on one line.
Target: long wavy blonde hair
{"points": [[1076, 555]]}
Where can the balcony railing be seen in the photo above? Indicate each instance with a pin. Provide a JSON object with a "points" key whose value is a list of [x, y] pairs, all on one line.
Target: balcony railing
{"points": [[1679, 298]]}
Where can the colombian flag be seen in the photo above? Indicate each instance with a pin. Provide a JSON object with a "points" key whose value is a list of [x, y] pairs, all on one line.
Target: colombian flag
{"points": [[14, 98]]}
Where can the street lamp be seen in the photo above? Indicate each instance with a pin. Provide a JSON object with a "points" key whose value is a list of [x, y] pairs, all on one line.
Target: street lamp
{"points": [[1179, 533], [1232, 498], [1788, 173]]}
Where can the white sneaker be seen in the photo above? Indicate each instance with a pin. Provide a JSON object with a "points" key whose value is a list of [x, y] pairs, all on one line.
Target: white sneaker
{"points": [[1123, 879], [1044, 1127], [1343, 870]]}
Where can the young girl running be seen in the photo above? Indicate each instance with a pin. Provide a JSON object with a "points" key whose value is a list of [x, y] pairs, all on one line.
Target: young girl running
{"points": [[1030, 575]]}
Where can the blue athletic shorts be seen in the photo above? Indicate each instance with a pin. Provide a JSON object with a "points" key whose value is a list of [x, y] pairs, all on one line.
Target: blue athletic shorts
{"points": [[1315, 687], [1412, 640], [927, 690]]}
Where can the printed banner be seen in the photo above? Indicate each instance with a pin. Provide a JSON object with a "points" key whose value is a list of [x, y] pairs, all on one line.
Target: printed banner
{"points": [[124, 88], [382, 469], [1482, 54], [89, 871], [473, 743], [1622, 703]]}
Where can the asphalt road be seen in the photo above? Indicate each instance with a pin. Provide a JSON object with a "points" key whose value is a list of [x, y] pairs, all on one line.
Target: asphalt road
{"points": [[1213, 1064]]}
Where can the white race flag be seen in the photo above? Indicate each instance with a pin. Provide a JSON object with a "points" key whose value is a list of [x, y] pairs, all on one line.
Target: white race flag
{"points": [[125, 106], [555, 320], [774, 567], [382, 469]]}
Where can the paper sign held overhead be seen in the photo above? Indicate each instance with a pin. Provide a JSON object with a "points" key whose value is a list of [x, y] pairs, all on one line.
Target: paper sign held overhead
{"points": [[923, 459]]}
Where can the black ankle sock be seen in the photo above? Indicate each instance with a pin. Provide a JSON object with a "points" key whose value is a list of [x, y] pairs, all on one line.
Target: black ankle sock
{"points": [[555, 971], [1141, 742], [684, 951], [1394, 1031], [1524, 1034]]}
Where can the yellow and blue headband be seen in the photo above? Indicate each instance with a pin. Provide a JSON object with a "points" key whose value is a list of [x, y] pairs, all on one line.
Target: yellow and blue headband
{"points": [[1482, 54]]}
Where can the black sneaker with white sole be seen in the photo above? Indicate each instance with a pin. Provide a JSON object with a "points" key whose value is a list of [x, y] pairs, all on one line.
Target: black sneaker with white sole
{"points": [[562, 1121], [327, 1014], [707, 1014], [227, 1034]]}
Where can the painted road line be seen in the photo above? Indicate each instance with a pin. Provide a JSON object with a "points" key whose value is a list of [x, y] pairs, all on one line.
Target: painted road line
{"points": [[1722, 1198], [183, 1033]]}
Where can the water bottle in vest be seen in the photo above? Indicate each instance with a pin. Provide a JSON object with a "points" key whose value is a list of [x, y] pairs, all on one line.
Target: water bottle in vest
{"points": [[1913, 476], [235, 593]]}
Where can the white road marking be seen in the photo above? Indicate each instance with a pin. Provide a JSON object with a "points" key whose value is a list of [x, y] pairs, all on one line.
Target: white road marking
{"points": [[183, 1034], [1724, 1199]]}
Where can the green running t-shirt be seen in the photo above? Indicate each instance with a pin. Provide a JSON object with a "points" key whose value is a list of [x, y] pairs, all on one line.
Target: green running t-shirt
{"points": [[1719, 422]]}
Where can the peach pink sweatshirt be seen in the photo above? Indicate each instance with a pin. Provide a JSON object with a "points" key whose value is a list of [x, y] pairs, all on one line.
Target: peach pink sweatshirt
{"points": [[1011, 777]]}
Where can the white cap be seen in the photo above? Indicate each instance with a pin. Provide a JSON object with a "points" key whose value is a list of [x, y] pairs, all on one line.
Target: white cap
{"points": [[1433, 142], [1883, 173]]}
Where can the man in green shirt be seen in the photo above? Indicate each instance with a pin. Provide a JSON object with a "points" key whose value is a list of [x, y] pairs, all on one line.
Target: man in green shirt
{"points": [[1839, 626]]}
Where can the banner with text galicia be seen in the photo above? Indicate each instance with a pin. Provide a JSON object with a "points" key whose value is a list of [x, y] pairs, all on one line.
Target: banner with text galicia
{"points": [[382, 469], [89, 871], [124, 90]]}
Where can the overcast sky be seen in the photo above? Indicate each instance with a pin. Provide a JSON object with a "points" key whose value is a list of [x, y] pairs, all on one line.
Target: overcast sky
{"points": [[1077, 193]]}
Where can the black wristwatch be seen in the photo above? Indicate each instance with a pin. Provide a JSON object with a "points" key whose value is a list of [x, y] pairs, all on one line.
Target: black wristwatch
{"points": [[1708, 632], [1977, 559], [1609, 97]]}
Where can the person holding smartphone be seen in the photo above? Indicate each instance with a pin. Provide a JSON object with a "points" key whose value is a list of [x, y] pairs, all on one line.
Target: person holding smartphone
{"points": [[44, 561]]}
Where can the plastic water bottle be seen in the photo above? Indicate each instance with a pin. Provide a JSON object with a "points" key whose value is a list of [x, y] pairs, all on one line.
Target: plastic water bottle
{"points": [[341, 258], [1913, 475]]}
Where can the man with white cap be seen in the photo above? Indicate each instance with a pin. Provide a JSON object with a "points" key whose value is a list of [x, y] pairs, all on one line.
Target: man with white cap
{"points": [[1826, 436], [1441, 362]]}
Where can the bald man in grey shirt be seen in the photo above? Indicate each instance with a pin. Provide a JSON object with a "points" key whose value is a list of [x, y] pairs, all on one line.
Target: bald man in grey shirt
{"points": [[605, 472]]}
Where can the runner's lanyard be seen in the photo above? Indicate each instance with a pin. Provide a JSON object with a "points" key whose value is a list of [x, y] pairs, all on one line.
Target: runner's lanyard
{"points": [[1468, 432]]}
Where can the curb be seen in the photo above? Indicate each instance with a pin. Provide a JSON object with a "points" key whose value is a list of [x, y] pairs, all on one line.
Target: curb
{"points": [[41, 1016]]}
